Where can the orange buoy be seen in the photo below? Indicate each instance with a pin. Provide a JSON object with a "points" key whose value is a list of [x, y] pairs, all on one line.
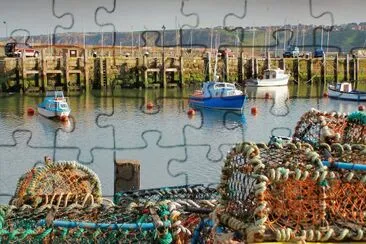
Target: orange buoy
{"points": [[191, 112], [149, 105], [325, 94], [30, 111], [267, 96], [253, 110], [361, 108]]}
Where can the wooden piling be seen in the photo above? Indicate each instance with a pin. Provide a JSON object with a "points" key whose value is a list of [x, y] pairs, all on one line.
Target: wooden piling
{"points": [[126, 175], [346, 75], [86, 70], [242, 66], [22, 65], [309, 69], [323, 69], [296, 69], [226, 72], [67, 74], [209, 70], [357, 69], [336, 68], [144, 63], [101, 74], [181, 71]]}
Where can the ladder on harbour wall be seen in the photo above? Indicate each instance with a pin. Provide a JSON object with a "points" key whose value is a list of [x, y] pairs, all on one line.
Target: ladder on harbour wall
{"points": [[103, 72]]}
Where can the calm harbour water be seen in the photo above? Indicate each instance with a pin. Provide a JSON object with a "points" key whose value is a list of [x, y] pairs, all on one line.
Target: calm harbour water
{"points": [[173, 148]]}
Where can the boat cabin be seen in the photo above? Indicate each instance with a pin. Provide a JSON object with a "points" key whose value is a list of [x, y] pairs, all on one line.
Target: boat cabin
{"points": [[58, 95], [217, 89], [273, 73], [344, 87]]}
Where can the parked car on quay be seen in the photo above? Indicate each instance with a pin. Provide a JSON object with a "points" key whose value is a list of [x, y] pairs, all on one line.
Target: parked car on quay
{"points": [[225, 51], [13, 49], [291, 52], [318, 53]]}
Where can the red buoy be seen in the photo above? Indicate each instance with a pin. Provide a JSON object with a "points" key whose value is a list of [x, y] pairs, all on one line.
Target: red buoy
{"points": [[325, 94], [30, 111], [267, 96], [253, 110], [191, 112], [149, 105], [361, 108], [64, 118]]}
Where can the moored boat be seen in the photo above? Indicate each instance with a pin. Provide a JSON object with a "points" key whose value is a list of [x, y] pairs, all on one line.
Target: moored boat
{"points": [[218, 95], [344, 91], [54, 105], [271, 77]]}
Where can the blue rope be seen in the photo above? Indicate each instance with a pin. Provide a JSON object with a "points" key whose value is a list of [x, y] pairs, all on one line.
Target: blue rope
{"points": [[344, 165], [90, 225]]}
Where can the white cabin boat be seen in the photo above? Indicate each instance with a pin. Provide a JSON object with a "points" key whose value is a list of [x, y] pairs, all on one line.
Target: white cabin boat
{"points": [[344, 91], [271, 77], [54, 105]]}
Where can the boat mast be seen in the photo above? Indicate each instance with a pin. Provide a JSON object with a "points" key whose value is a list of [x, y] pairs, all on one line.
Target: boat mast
{"points": [[215, 69]]}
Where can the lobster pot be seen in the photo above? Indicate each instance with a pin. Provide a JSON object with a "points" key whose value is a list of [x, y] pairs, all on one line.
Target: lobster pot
{"points": [[285, 193]]}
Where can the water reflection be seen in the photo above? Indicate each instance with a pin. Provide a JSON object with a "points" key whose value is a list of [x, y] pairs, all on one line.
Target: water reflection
{"points": [[212, 118], [278, 95]]}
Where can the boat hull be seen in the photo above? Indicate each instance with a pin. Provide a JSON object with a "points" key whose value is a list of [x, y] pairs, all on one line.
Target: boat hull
{"points": [[350, 96], [267, 82], [51, 114], [224, 103]]}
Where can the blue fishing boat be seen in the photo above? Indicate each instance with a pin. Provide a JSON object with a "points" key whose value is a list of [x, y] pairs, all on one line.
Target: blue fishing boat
{"points": [[218, 95], [54, 105]]}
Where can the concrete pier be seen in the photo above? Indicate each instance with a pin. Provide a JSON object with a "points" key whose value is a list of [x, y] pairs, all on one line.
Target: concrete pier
{"points": [[82, 70]]}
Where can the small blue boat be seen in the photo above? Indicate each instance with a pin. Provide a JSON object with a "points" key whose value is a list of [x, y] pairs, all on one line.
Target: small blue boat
{"points": [[54, 105], [218, 95]]}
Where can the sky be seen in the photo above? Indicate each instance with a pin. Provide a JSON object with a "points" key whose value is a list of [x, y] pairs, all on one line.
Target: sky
{"points": [[37, 16]]}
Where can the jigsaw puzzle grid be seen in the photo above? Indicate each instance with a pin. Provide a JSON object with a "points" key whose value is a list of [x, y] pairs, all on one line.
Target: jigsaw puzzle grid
{"points": [[183, 153]]}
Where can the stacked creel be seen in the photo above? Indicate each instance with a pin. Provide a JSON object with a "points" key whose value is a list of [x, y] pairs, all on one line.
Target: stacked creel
{"points": [[285, 192]]}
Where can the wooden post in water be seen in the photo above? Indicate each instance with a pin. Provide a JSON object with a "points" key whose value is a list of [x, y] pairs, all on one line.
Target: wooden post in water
{"points": [[126, 175], [163, 72], [106, 71], [23, 69], [253, 72], [137, 75], [268, 60], [86, 69], [67, 71], [357, 69], [323, 69], [346, 75], [256, 67], [209, 70], [144, 63], [310, 69], [226, 75], [242, 66], [44, 70], [101, 72], [296, 69], [181, 70], [336, 68]]}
